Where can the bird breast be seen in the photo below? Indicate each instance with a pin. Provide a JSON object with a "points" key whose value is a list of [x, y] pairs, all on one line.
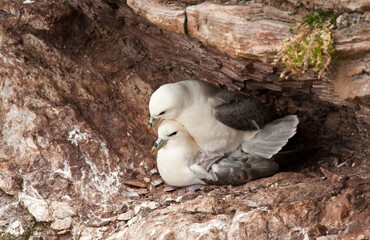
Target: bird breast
{"points": [[173, 166]]}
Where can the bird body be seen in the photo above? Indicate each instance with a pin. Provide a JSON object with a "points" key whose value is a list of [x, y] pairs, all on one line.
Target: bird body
{"points": [[174, 159], [218, 120], [192, 103], [181, 163], [209, 133]]}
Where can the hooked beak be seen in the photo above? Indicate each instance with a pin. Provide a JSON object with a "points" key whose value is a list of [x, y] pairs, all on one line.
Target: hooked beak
{"points": [[153, 123], [157, 145]]}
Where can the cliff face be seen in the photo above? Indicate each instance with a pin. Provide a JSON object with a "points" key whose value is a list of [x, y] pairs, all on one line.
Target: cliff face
{"points": [[75, 80]]}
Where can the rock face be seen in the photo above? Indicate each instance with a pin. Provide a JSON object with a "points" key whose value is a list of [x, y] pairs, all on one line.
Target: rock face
{"points": [[333, 5], [240, 31], [75, 80], [170, 19]]}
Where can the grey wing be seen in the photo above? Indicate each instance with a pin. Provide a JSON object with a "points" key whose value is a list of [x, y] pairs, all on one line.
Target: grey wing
{"points": [[207, 159], [230, 171], [273, 137], [242, 113]]}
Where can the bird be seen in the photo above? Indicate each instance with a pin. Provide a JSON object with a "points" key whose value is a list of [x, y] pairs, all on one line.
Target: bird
{"points": [[181, 163], [220, 121]]}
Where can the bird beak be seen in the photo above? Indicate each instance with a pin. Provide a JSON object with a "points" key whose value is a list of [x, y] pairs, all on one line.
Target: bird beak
{"points": [[157, 145], [153, 123]]}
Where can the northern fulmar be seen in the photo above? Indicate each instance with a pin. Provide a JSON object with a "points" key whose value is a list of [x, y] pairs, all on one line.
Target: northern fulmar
{"points": [[220, 121], [181, 163]]}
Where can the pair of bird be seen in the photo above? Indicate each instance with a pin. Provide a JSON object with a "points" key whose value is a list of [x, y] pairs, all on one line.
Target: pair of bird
{"points": [[208, 135]]}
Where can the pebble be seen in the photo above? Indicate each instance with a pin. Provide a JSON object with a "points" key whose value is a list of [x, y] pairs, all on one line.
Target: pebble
{"points": [[142, 191], [333, 231], [157, 182], [153, 171], [37, 207], [135, 183], [61, 224], [62, 210], [141, 171], [169, 189], [322, 238]]}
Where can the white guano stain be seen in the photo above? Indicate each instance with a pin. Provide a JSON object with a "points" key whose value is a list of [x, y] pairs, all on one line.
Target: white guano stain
{"points": [[75, 136], [66, 171], [104, 179], [106, 183]]}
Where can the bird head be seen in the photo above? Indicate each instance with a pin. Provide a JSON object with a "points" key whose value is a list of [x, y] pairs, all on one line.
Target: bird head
{"points": [[166, 102], [170, 132]]}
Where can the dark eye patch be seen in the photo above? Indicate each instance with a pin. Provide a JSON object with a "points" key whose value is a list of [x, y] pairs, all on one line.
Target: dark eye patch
{"points": [[162, 113], [172, 134]]}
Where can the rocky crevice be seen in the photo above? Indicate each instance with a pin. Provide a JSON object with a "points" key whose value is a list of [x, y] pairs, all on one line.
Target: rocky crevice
{"points": [[75, 79]]}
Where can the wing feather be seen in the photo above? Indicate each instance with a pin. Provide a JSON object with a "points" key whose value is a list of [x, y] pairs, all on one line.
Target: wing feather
{"points": [[240, 171], [242, 113]]}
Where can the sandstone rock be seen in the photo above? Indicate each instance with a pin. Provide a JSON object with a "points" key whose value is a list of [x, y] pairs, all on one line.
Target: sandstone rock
{"points": [[126, 216], [74, 87], [153, 171], [322, 238], [168, 18], [15, 221], [145, 205], [15, 229], [37, 207], [10, 183], [169, 189], [135, 183], [337, 209], [88, 233], [352, 79], [178, 226], [61, 224], [353, 39], [239, 31], [62, 210], [332, 5], [157, 182]]}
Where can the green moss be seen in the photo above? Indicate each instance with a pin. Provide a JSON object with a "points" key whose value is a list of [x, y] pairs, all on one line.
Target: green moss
{"points": [[319, 18], [311, 45]]}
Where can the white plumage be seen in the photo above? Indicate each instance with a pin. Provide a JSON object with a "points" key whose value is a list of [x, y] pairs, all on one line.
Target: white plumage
{"points": [[218, 120], [181, 163], [176, 152]]}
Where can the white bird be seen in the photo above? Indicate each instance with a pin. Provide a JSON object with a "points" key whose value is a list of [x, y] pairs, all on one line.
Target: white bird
{"points": [[219, 120], [181, 163]]}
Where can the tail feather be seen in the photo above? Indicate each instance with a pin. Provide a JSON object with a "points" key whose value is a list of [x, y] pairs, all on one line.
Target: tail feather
{"points": [[272, 137], [263, 167]]}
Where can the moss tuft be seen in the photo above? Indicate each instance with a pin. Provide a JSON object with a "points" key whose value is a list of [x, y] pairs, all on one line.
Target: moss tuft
{"points": [[319, 18], [310, 47]]}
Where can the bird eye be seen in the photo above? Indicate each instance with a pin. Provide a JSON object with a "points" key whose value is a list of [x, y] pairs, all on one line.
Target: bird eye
{"points": [[172, 134], [162, 113]]}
